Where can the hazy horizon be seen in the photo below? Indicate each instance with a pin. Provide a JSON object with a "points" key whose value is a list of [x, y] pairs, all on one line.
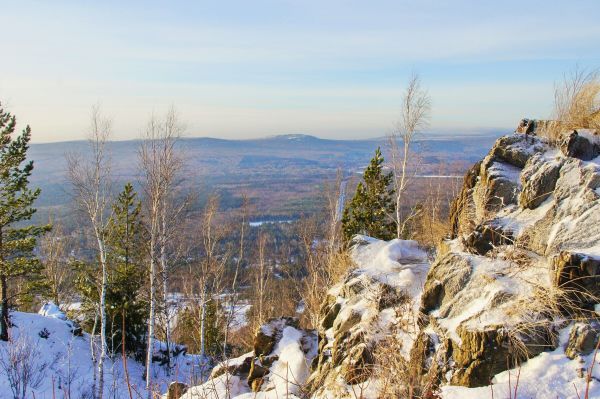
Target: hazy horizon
{"points": [[423, 135], [246, 70]]}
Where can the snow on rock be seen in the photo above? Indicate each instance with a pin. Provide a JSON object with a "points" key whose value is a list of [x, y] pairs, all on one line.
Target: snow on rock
{"points": [[398, 263], [378, 297], [278, 367], [523, 259], [504, 302]]}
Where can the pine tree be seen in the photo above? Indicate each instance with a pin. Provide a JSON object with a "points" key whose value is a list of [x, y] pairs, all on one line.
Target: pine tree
{"points": [[16, 199], [370, 211], [126, 275]]}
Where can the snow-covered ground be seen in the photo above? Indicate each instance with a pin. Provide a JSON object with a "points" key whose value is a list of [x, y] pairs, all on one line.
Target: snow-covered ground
{"points": [[62, 362]]}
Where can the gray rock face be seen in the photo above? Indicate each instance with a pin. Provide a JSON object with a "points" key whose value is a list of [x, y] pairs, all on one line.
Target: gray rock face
{"points": [[535, 126], [354, 317], [480, 324], [270, 333], [516, 149], [498, 187], [538, 180], [463, 206], [499, 183], [447, 276], [526, 126]]}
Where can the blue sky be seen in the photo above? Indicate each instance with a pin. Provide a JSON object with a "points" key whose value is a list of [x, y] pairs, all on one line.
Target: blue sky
{"points": [[239, 69]]}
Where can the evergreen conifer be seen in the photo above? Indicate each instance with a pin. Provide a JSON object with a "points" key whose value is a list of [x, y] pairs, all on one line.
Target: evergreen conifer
{"points": [[370, 211]]}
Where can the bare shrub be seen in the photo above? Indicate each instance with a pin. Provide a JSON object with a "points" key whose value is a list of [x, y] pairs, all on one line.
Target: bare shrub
{"points": [[325, 258], [20, 362], [396, 375]]}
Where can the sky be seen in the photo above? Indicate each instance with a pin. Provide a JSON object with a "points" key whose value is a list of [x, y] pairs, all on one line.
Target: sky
{"points": [[245, 69]]}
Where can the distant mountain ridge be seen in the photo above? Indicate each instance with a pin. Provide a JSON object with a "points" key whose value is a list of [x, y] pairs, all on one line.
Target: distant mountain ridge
{"points": [[279, 169]]}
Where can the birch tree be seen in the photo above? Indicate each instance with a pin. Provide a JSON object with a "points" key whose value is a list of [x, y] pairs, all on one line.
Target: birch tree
{"points": [[262, 278], [160, 163], [212, 265], [90, 177], [416, 106]]}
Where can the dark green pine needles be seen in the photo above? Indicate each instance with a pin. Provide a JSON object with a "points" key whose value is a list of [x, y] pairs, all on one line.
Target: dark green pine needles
{"points": [[371, 210], [17, 240]]}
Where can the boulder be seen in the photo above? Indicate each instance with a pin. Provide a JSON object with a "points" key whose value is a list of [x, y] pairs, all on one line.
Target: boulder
{"points": [[579, 276], [498, 187], [526, 126], [487, 236], [345, 321], [176, 390], [535, 126], [330, 313], [483, 354], [263, 343], [459, 209], [269, 333], [516, 149], [578, 146], [583, 339], [240, 369], [256, 375]]}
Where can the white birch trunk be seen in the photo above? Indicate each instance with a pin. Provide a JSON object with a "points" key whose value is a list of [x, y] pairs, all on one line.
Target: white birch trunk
{"points": [[165, 278], [102, 317], [151, 318], [93, 351]]}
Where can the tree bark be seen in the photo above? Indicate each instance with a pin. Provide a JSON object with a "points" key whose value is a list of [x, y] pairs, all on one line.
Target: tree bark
{"points": [[123, 353], [165, 273], [3, 309]]}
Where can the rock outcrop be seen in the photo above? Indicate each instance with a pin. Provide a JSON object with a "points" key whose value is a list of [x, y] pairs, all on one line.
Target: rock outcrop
{"points": [[523, 257], [364, 308]]}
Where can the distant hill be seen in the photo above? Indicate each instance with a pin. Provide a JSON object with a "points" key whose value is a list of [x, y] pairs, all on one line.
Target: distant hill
{"points": [[279, 172]]}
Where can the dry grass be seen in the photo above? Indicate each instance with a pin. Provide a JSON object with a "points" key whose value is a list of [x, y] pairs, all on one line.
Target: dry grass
{"points": [[396, 376], [576, 103]]}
